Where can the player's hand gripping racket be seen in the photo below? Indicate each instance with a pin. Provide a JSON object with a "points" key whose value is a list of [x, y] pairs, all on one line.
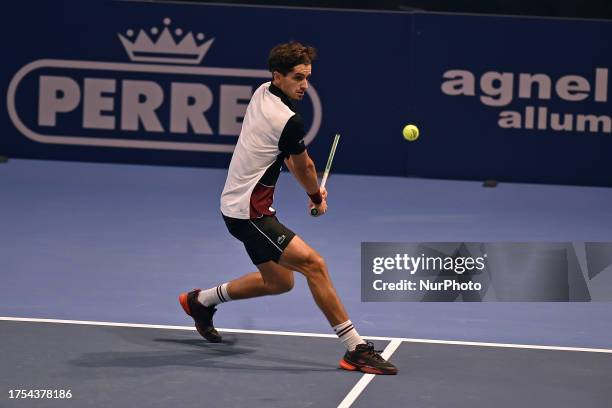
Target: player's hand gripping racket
{"points": [[313, 211]]}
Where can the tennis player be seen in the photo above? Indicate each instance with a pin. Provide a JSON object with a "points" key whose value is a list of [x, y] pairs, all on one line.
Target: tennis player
{"points": [[272, 134]]}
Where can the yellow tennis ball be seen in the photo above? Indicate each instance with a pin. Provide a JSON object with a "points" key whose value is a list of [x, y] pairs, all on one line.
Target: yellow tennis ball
{"points": [[411, 133]]}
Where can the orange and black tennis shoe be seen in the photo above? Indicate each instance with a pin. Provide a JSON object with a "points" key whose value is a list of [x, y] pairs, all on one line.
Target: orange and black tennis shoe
{"points": [[202, 315], [364, 358]]}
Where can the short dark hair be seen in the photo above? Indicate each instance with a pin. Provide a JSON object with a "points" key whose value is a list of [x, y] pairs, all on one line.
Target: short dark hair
{"points": [[284, 57]]}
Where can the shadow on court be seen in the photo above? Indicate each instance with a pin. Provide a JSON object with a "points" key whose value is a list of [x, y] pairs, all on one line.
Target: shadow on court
{"points": [[126, 367], [203, 355]]}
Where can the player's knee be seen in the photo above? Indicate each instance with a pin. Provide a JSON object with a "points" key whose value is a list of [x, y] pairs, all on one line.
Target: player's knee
{"points": [[285, 285], [281, 286], [315, 266]]}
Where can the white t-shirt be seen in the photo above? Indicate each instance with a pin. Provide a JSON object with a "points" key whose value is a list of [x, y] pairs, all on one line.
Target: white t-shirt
{"points": [[271, 131]]}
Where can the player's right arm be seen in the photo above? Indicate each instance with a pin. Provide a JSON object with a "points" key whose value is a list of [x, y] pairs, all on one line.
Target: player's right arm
{"points": [[303, 169]]}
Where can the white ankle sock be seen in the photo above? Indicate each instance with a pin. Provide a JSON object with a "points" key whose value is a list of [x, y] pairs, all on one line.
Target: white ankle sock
{"points": [[348, 335], [214, 295]]}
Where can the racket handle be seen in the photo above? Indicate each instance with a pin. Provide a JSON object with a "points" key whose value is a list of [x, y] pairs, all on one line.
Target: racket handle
{"points": [[313, 211]]}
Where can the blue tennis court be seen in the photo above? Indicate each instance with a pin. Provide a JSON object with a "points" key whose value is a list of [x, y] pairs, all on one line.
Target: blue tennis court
{"points": [[94, 256]]}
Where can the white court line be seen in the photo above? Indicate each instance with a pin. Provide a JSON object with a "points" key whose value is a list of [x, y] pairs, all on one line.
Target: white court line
{"points": [[283, 333], [366, 378]]}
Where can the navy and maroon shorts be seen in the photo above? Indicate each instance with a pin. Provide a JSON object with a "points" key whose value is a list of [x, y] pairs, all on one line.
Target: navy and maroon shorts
{"points": [[264, 238]]}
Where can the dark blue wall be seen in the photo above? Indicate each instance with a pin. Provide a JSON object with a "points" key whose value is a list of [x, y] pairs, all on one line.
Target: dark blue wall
{"points": [[376, 72]]}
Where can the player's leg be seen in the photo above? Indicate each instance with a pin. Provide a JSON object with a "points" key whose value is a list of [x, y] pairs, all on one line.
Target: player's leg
{"points": [[299, 256], [264, 240], [272, 279]]}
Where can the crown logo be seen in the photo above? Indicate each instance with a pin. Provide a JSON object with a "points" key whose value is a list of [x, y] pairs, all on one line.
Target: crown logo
{"points": [[165, 48]]}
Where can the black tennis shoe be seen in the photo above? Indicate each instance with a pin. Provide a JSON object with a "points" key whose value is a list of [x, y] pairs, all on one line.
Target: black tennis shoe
{"points": [[365, 359], [202, 315]]}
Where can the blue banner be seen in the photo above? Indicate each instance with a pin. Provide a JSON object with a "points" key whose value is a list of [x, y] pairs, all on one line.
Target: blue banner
{"points": [[169, 83], [512, 99], [516, 99]]}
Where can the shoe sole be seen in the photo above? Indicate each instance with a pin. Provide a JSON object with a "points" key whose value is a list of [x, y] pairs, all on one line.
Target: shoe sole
{"points": [[345, 365], [185, 305]]}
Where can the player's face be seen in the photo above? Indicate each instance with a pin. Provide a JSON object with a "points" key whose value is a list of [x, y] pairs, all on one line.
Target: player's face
{"points": [[295, 83]]}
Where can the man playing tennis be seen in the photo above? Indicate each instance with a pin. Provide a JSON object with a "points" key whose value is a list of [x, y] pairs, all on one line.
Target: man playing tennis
{"points": [[272, 134]]}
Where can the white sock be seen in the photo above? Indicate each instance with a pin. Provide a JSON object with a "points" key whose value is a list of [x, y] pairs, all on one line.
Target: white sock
{"points": [[348, 335], [214, 295]]}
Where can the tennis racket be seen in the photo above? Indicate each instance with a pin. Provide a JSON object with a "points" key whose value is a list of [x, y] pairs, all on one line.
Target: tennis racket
{"points": [[313, 211]]}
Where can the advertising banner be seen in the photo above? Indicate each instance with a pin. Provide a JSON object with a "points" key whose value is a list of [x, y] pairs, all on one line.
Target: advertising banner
{"points": [[168, 83], [503, 98], [515, 99]]}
